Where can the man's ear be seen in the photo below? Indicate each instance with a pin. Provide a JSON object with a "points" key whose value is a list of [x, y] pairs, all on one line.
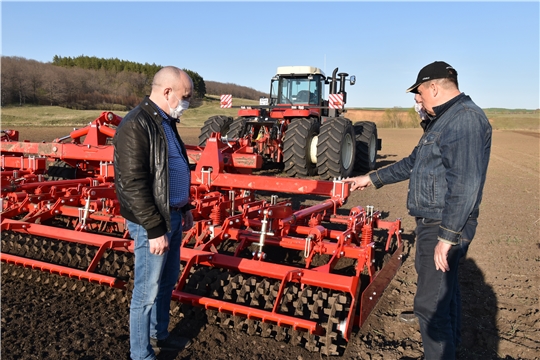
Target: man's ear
{"points": [[434, 88], [167, 92]]}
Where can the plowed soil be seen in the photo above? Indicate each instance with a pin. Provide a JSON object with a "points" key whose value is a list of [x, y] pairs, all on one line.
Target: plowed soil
{"points": [[499, 278]]}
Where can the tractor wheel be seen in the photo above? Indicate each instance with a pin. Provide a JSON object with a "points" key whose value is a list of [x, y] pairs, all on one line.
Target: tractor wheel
{"points": [[237, 129], [217, 123], [297, 147], [336, 149], [366, 146]]}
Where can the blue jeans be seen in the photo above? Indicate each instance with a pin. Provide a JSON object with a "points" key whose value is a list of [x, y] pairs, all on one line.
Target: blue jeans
{"points": [[437, 303], [155, 279]]}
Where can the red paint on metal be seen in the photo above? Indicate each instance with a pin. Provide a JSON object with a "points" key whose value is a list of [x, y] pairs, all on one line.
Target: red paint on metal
{"points": [[62, 271], [225, 208]]}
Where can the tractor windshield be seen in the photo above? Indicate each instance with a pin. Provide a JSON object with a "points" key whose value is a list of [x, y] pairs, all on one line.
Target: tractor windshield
{"points": [[296, 90]]}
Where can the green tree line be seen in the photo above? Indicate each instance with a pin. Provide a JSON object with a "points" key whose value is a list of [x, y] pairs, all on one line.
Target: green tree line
{"points": [[114, 65], [86, 82]]}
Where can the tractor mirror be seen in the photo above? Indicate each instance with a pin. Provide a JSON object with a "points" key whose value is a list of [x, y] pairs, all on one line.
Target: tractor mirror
{"points": [[352, 79]]}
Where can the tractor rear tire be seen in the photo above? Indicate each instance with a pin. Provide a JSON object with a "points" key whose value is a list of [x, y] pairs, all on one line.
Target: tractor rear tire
{"points": [[336, 149], [366, 146], [237, 129], [217, 123], [297, 147]]}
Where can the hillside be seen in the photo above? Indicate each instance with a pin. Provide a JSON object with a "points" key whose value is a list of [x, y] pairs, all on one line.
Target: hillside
{"points": [[90, 83], [14, 117]]}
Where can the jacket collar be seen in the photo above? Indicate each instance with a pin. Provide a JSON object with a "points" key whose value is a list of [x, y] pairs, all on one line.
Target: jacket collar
{"points": [[162, 114], [152, 109], [439, 110]]}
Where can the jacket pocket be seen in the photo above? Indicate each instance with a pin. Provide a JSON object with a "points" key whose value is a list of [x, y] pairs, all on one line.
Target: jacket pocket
{"points": [[427, 174], [426, 190], [432, 185], [427, 143]]}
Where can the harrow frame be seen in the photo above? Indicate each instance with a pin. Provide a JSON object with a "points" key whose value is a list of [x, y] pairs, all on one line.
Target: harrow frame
{"points": [[234, 259]]}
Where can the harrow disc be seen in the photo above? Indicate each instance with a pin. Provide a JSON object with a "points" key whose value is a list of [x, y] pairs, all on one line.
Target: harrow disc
{"points": [[67, 255], [327, 307]]}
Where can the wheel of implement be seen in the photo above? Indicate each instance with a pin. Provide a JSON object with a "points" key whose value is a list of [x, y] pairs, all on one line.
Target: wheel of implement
{"points": [[329, 309], [366, 146], [59, 170], [237, 128], [336, 148], [73, 255], [297, 147], [217, 123]]}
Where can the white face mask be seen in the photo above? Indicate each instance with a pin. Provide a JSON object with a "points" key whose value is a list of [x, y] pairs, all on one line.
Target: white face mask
{"points": [[420, 110], [177, 112]]}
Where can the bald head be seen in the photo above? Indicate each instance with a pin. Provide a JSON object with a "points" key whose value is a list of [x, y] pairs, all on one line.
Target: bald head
{"points": [[169, 86]]}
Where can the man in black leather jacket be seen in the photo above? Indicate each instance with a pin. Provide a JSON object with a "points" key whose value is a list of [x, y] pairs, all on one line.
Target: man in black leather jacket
{"points": [[152, 181]]}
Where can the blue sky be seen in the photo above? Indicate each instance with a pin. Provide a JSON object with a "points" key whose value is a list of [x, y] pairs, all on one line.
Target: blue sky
{"points": [[494, 46]]}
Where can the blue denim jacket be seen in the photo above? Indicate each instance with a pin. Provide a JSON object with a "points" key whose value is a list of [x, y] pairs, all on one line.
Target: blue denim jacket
{"points": [[447, 169]]}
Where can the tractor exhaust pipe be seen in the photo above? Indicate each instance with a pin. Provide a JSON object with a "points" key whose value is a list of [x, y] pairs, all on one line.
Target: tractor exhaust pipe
{"points": [[342, 77], [333, 84], [333, 90]]}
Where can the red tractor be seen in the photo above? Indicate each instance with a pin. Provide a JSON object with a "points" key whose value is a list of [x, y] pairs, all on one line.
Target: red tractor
{"points": [[301, 130]]}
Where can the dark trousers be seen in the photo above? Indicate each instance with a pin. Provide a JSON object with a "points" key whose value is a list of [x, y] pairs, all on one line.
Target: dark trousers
{"points": [[437, 303]]}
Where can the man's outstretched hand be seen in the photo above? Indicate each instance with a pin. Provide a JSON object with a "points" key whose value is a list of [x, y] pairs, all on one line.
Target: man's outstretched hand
{"points": [[359, 182]]}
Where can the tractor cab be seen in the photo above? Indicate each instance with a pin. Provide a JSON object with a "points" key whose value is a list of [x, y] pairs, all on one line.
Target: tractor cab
{"points": [[297, 85]]}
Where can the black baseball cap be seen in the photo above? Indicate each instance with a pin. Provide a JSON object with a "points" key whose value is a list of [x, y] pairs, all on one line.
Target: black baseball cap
{"points": [[435, 70]]}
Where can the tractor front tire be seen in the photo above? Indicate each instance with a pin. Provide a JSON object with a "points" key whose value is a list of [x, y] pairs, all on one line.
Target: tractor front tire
{"points": [[336, 149], [366, 146], [217, 123], [297, 147]]}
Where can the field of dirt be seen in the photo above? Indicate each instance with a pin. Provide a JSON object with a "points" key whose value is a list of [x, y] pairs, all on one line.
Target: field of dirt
{"points": [[500, 281]]}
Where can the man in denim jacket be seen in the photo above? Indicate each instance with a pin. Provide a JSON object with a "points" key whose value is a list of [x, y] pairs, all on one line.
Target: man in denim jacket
{"points": [[446, 173]]}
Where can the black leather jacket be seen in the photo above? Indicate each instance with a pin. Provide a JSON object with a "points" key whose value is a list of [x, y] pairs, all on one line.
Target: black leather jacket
{"points": [[141, 172]]}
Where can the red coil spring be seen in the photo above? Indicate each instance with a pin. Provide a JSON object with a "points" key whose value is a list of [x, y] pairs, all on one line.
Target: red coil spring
{"points": [[216, 216], [367, 234]]}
